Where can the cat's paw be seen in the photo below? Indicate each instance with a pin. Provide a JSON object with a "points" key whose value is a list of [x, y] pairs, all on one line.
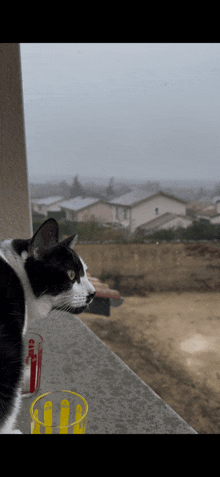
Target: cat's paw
{"points": [[15, 431]]}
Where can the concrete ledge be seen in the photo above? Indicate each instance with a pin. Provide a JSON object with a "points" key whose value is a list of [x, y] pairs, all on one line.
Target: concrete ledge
{"points": [[74, 358]]}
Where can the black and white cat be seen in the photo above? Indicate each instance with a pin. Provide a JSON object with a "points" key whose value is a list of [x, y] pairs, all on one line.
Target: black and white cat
{"points": [[36, 276]]}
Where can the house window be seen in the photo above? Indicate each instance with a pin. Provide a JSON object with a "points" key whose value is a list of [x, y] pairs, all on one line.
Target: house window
{"points": [[157, 211], [72, 215], [117, 217], [125, 214]]}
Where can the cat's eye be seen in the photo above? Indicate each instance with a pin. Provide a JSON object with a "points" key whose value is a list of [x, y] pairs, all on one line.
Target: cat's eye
{"points": [[71, 274]]}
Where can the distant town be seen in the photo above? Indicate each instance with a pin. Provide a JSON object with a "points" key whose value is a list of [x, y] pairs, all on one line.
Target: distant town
{"points": [[137, 209]]}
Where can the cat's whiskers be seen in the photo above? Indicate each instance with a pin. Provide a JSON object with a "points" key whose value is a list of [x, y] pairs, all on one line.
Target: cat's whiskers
{"points": [[43, 293]]}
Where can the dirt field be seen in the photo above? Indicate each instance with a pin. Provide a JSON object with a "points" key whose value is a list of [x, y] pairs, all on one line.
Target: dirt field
{"points": [[172, 341], [137, 268]]}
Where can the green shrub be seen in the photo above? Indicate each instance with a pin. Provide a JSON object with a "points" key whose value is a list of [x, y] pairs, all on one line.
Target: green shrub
{"points": [[94, 232], [199, 230]]}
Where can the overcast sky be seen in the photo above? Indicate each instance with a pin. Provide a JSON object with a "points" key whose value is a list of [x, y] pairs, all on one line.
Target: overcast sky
{"points": [[136, 111]]}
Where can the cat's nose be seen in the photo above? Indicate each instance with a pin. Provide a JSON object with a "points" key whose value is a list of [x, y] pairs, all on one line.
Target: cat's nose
{"points": [[90, 297]]}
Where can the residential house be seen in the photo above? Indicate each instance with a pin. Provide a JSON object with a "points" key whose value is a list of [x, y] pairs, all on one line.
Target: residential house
{"points": [[82, 209], [208, 212], [216, 218], [137, 207], [165, 221], [42, 206], [216, 200], [129, 211]]}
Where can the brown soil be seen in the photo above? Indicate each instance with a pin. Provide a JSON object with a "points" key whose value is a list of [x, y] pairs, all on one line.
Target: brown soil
{"points": [[137, 268], [171, 341]]}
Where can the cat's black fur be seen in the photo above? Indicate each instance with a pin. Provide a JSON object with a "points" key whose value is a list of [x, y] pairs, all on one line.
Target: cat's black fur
{"points": [[34, 279], [11, 344]]}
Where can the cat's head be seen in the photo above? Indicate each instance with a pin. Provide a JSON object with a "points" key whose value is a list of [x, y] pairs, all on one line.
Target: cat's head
{"points": [[56, 273]]}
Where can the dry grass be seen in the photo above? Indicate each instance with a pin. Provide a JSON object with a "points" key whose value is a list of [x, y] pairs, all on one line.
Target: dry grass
{"points": [[171, 340]]}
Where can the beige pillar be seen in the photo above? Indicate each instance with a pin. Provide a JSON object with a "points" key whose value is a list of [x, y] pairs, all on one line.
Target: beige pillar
{"points": [[15, 214]]}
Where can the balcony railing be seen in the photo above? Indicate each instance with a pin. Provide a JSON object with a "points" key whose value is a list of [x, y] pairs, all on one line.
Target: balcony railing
{"points": [[75, 359]]}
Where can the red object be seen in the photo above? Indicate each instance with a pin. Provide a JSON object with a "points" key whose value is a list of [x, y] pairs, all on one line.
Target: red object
{"points": [[33, 364], [40, 351]]}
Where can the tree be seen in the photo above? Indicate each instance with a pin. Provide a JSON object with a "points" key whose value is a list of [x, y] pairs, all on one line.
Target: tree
{"points": [[76, 188], [110, 189], [216, 189], [152, 186], [63, 189]]}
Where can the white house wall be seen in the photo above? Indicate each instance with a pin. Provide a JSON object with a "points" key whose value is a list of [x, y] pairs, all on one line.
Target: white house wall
{"points": [[215, 220], [100, 212], [146, 211], [70, 215], [121, 214], [41, 209]]}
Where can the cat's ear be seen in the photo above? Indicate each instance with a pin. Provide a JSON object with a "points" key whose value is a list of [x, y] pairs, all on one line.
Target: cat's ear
{"points": [[46, 236], [70, 241]]}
